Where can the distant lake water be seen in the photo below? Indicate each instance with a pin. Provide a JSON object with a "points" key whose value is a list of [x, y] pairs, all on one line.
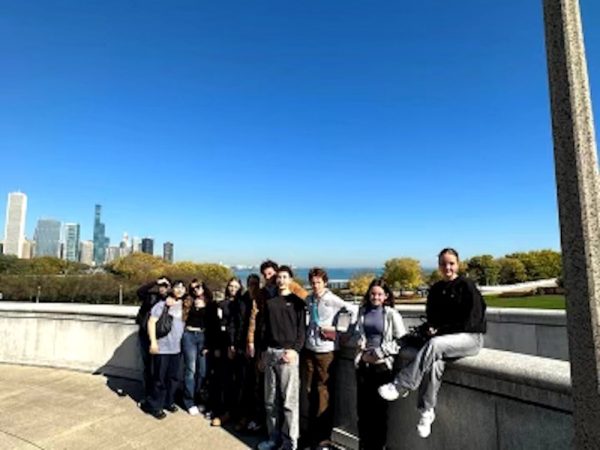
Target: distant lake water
{"points": [[335, 273]]}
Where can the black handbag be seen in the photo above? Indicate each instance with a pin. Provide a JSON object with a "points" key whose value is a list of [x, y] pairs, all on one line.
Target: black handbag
{"points": [[416, 337], [164, 323]]}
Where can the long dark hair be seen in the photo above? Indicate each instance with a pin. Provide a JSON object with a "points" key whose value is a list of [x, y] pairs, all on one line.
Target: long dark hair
{"points": [[238, 294], [389, 301], [189, 300]]}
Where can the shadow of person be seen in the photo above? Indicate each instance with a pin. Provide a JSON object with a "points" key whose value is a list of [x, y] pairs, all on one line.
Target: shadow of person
{"points": [[124, 369]]}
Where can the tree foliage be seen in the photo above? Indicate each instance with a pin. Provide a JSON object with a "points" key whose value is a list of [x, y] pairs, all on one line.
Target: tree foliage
{"points": [[359, 283], [483, 269], [540, 264], [512, 271], [403, 273]]}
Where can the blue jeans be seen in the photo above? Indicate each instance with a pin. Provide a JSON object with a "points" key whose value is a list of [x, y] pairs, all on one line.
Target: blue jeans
{"points": [[194, 365]]}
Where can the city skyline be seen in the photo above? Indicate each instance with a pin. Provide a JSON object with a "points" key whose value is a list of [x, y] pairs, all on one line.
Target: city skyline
{"points": [[52, 237], [337, 134]]}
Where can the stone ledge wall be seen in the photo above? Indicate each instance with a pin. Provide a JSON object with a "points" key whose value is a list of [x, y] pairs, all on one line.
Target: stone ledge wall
{"points": [[536, 332], [496, 400]]}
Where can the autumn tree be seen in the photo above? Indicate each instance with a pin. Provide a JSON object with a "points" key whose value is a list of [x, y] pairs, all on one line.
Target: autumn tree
{"points": [[359, 283], [511, 271], [483, 269], [540, 264], [403, 273]]}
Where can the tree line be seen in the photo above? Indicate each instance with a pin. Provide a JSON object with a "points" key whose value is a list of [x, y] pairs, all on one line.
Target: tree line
{"points": [[485, 270], [55, 280]]}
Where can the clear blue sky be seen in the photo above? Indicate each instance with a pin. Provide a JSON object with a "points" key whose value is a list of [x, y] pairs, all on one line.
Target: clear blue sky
{"points": [[326, 132]]}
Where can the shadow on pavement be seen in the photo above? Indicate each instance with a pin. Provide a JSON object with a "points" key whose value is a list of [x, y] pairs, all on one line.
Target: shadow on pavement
{"points": [[133, 389]]}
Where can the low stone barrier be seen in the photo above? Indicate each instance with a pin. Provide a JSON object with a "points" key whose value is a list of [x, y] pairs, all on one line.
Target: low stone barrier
{"points": [[539, 332], [496, 400]]}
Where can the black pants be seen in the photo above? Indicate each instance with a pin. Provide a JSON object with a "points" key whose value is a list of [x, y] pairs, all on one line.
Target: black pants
{"points": [[244, 386], [144, 342], [222, 392], [371, 408], [165, 381]]}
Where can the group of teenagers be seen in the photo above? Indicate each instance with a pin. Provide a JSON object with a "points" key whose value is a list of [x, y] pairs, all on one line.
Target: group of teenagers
{"points": [[251, 357]]}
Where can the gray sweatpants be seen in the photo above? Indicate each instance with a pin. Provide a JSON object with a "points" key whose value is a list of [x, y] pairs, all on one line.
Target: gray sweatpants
{"points": [[282, 399], [428, 363]]}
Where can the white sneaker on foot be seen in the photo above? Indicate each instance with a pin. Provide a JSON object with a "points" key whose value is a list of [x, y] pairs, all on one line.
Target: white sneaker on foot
{"points": [[194, 411], [267, 445], [424, 425], [391, 392]]}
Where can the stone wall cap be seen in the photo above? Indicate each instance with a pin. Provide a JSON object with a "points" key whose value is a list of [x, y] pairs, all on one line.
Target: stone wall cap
{"points": [[126, 311], [549, 374]]}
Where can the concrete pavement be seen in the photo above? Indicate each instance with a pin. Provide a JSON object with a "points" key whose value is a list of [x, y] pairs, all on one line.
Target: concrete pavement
{"points": [[61, 409]]}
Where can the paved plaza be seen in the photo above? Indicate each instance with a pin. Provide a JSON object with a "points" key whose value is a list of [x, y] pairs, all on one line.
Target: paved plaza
{"points": [[44, 408]]}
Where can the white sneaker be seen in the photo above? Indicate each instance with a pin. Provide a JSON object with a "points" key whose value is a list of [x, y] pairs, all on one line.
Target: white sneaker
{"points": [[194, 411], [391, 392], [267, 445], [424, 425]]}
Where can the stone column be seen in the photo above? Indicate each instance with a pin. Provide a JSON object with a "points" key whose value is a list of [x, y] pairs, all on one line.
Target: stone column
{"points": [[578, 190]]}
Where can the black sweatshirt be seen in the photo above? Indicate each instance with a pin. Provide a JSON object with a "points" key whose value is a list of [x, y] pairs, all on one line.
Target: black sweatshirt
{"points": [[456, 307], [217, 334], [149, 296], [284, 322]]}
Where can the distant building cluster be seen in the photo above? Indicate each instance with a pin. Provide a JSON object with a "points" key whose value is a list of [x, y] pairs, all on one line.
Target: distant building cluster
{"points": [[63, 240]]}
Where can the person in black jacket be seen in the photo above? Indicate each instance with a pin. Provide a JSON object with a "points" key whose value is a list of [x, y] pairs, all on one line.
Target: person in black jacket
{"points": [[149, 295], [245, 405], [282, 332], [455, 327], [221, 333]]}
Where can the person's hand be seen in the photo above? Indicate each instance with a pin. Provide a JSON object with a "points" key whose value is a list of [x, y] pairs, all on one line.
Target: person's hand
{"points": [[205, 352], [432, 331], [231, 352], [289, 356], [369, 358], [250, 351], [162, 280], [217, 353], [170, 301], [154, 348], [261, 363]]}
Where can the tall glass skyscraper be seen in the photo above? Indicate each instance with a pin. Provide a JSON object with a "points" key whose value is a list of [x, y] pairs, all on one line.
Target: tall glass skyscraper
{"points": [[14, 229], [47, 238], [148, 246], [168, 252], [100, 240], [72, 241]]}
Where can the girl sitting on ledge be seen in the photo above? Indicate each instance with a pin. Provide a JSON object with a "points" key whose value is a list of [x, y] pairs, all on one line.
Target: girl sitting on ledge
{"points": [[455, 327]]}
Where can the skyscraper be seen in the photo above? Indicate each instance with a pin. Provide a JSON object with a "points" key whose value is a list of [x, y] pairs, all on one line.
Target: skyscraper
{"points": [[100, 240], [86, 252], [28, 249], [112, 252], [168, 252], [47, 238], [124, 247], [148, 246], [14, 229], [72, 231], [136, 244]]}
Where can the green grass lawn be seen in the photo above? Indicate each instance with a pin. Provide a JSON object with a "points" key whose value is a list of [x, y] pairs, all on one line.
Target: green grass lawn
{"points": [[536, 301]]}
